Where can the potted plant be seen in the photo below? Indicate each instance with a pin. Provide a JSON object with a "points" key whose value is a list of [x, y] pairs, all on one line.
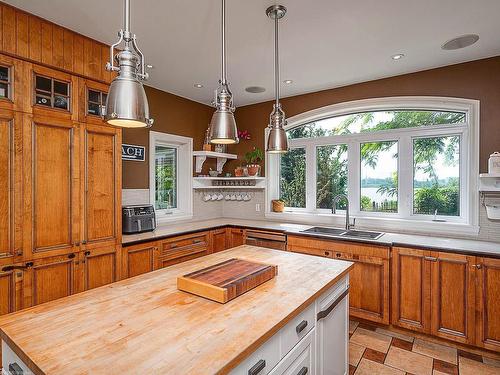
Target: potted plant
{"points": [[253, 158], [239, 171]]}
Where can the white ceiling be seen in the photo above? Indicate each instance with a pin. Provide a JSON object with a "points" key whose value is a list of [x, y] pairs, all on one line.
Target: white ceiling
{"points": [[324, 43]]}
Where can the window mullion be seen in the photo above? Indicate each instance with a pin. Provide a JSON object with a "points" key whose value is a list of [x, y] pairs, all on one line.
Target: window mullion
{"points": [[310, 177], [354, 176], [405, 176]]}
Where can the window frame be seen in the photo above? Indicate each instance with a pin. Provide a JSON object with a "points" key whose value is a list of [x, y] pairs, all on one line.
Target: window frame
{"points": [[184, 146], [468, 131], [53, 94], [8, 82], [88, 101]]}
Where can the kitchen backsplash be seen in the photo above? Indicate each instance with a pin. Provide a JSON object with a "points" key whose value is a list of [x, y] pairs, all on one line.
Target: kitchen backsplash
{"points": [[489, 229]]}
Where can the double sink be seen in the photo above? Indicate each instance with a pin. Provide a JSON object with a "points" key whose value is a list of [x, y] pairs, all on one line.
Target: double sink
{"points": [[346, 233]]}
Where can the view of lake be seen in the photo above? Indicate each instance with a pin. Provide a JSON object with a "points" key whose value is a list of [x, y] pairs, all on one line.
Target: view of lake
{"points": [[374, 196]]}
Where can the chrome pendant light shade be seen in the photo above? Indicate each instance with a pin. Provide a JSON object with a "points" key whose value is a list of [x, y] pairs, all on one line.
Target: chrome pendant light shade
{"points": [[223, 128], [277, 141], [127, 105]]}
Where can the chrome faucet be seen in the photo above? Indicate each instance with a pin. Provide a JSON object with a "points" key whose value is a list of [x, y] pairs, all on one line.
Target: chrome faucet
{"points": [[336, 200]]}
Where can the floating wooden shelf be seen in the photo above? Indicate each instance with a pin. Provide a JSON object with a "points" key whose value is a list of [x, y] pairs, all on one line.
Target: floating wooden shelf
{"points": [[201, 156], [210, 183]]}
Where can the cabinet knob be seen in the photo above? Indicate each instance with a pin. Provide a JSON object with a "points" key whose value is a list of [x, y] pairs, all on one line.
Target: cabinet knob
{"points": [[258, 367], [71, 256], [87, 253], [327, 253], [478, 266], [19, 252], [338, 255]]}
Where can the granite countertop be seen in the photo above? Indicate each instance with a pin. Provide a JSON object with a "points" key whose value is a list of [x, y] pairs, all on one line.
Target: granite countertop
{"points": [[388, 239], [144, 325]]}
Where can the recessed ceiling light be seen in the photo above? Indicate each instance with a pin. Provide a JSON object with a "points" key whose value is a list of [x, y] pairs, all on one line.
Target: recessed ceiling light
{"points": [[198, 85], [288, 81], [398, 56], [460, 42], [150, 66], [255, 89]]}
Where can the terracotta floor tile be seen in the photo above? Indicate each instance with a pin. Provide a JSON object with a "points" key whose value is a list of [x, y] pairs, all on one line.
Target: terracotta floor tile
{"points": [[402, 344], [352, 369], [368, 327], [445, 367], [434, 372], [491, 361], [355, 353], [415, 363], [374, 355], [371, 339], [367, 367], [438, 351], [468, 366], [475, 357], [394, 334], [352, 326]]}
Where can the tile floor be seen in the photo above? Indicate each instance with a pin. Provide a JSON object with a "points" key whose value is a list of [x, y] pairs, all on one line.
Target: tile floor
{"points": [[377, 351]]}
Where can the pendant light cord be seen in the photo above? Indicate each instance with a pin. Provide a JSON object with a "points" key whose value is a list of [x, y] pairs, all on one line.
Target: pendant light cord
{"points": [[276, 63], [126, 21], [223, 72]]}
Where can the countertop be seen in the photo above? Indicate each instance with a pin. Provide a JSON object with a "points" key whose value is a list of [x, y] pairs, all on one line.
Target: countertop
{"points": [[144, 325], [388, 239]]}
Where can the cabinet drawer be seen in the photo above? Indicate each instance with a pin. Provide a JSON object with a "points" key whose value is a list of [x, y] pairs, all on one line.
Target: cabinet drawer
{"points": [[296, 329], [185, 245], [262, 361], [12, 363], [300, 361]]}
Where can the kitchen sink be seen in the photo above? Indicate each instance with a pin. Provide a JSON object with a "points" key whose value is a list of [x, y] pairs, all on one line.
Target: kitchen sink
{"points": [[337, 232]]}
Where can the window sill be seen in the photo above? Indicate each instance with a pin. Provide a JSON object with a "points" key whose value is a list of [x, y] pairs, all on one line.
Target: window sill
{"points": [[380, 223]]}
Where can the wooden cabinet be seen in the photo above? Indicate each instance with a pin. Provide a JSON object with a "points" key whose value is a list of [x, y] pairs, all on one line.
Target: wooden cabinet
{"points": [[101, 183], [98, 267], [10, 288], [453, 296], [10, 186], [138, 259], [411, 289], [237, 237], [14, 84], [220, 240], [182, 248], [488, 303], [311, 246], [50, 278]]}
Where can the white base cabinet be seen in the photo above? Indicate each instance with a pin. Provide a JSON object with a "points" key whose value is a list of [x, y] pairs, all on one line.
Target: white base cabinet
{"points": [[315, 342]]}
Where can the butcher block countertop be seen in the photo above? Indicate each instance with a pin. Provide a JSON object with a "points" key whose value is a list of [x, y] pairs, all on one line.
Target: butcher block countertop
{"points": [[144, 325]]}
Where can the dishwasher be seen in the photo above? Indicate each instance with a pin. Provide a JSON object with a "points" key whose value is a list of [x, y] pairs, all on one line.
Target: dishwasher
{"points": [[271, 240]]}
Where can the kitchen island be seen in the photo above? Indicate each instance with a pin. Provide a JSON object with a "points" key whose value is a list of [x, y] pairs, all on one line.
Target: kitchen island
{"points": [[145, 325]]}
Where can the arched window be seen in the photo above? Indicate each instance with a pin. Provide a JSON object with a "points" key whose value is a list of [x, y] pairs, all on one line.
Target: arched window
{"points": [[411, 158]]}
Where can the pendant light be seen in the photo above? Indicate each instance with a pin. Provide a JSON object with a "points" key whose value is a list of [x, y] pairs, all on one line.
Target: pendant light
{"points": [[277, 141], [223, 128], [127, 104]]}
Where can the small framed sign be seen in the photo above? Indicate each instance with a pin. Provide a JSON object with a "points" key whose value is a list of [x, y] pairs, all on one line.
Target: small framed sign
{"points": [[133, 152]]}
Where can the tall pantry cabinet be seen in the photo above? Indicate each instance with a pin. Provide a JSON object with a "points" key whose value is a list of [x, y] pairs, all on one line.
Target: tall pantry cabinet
{"points": [[60, 169]]}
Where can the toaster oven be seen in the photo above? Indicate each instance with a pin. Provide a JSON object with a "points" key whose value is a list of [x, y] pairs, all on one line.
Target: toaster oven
{"points": [[138, 218]]}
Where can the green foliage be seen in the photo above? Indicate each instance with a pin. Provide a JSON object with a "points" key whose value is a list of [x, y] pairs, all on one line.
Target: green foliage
{"points": [[293, 178], [444, 199], [366, 203], [255, 156]]}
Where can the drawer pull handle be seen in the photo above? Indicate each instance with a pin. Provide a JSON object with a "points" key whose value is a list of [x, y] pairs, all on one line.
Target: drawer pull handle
{"points": [[325, 313], [301, 326], [431, 259], [303, 371], [174, 245], [15, 369], [258, 367], [71, 256], [197, 241], [11, 268]]}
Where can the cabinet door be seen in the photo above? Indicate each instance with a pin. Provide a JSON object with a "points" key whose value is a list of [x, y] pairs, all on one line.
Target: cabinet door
{"points": [[411, 289], [219, 240], [10, 186], [237, 237], [99, 267], [453, 296], [369, 293], [50, 278], [92, 96], [488, 303], [14, 84], [51, 164], [138, 259], [10, 289], [102, 186]]}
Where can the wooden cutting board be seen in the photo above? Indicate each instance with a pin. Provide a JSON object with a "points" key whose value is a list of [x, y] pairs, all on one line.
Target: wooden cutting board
{"points": [[227, 280]]}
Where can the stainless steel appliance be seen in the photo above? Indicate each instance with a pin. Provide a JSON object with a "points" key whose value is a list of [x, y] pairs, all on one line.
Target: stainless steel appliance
{"points": [[138, 218], [271, 240]]}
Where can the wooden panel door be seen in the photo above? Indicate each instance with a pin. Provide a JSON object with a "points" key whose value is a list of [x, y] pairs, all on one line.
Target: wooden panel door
{"points": [[50, 278], [102, 186], [453, 296], [220, 240], [15, 95], [488, 303], [411, 289], [52, 187], [99, 267], [138, 259], [10, 289], [10, 186], [237, 237]]}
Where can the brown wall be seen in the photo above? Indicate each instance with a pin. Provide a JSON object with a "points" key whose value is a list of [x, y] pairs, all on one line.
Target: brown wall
{"points": [[473, 80], [173, 115]]}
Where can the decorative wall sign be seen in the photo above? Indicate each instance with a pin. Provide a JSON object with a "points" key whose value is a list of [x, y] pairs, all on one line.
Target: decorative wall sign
{"points": [[133, 152]]}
